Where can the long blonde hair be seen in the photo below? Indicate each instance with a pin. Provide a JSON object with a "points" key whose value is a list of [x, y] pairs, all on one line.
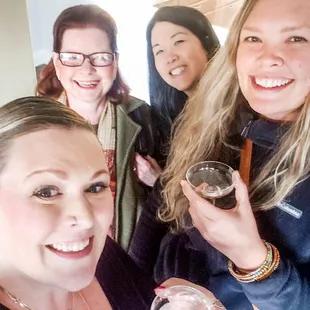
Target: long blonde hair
{"points": [[201, 133]]}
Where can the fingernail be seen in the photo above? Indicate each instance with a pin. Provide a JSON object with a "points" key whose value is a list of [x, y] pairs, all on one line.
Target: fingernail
{"points": [[160, 287], [182, 182]]}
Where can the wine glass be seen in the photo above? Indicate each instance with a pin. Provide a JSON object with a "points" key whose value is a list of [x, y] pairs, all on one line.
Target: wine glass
{"points": [[182, 297], [212, 180]]}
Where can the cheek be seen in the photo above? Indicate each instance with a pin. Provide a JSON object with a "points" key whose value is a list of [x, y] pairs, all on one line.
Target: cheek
{"points": [[24, 223], [160, 67], [65, 75], [104, 211]]}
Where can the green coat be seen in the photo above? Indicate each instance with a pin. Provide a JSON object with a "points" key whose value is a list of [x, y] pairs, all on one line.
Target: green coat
{"points": [[130, 193]]}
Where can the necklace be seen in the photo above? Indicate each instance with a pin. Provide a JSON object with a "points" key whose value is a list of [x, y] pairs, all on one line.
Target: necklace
{"points": [[24, 306]]}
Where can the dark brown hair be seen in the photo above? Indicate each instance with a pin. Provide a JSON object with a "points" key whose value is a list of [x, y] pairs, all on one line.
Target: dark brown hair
{"points": [[80, 17]]}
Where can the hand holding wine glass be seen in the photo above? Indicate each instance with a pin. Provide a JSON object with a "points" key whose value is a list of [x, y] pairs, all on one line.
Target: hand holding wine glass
{"points": [[233, 232]]}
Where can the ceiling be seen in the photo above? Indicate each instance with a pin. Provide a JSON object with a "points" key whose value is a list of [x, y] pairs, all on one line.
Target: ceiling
{"points": [[219, 12]]}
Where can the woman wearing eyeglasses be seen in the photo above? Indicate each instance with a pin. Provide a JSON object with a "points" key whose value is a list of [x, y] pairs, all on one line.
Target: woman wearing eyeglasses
{"points": [[83, 74]]}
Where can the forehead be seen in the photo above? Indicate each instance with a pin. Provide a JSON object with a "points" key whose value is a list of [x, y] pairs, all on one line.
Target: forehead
{"points": [[86, 40], [69, 150], [164, 30], [278, 13]]}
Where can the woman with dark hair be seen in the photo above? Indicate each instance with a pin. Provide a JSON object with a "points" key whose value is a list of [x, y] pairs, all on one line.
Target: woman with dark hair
{"points": [[83, 74], [180, 42]]}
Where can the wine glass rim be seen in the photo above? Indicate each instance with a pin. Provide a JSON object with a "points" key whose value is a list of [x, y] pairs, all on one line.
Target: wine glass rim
{"points": [[199, 296], [230, 169]]}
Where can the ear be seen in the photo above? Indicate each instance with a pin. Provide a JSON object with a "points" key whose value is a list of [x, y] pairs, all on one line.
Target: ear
{"points": [[56, 63]]}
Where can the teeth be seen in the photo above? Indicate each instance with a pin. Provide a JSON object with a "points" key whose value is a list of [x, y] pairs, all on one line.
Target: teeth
{"points": [[177, 71], [72, 247], [87, 84], [269, 83]]}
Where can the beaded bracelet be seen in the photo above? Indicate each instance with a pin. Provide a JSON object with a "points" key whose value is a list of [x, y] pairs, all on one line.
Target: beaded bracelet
{"points": [[269, 265]]}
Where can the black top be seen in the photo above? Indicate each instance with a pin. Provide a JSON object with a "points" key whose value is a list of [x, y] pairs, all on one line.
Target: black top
{"points": [[189, 256], [125, 286]]}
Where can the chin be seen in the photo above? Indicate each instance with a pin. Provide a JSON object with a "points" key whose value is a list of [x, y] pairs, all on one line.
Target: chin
{"points": [[76, 282]]}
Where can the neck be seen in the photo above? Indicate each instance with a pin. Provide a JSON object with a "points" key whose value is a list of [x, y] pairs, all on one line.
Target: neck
{"points": [[189, 92], [34, 294], [91, 111]]}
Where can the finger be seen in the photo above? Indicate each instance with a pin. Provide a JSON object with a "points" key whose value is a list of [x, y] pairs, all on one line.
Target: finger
{"points": [[242, 195], [201, 205], [178, 281], [154, 163], [142, 161]]}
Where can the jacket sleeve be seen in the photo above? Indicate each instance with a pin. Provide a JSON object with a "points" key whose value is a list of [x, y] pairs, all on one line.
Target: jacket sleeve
{"points": [[287, 288], [149, 232]]}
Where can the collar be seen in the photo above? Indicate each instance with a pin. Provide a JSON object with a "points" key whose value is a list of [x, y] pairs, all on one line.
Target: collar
{"points": [[265, 133]]}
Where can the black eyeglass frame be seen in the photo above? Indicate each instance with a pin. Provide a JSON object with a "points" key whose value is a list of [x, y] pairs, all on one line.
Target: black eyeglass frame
{"points": [[86, 57]]}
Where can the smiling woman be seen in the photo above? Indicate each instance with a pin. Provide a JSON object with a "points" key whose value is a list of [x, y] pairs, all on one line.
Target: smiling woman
{"points": [[84, 75], [55, 214], [256, 92]]}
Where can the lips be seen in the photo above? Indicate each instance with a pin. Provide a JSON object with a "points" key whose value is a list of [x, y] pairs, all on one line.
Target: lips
{"points": [[72, 250], [177, 71], [271, 84], [87, 84]]}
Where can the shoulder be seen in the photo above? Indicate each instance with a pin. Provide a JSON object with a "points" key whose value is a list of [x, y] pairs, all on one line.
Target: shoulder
{"points": [[117, 273], [133, 104]]}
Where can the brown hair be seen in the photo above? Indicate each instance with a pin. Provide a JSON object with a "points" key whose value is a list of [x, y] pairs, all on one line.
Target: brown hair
{"points": [[79, 17]]}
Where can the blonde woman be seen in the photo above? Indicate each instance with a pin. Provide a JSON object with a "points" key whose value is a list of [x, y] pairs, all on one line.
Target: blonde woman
{"points": [[254, 97]]}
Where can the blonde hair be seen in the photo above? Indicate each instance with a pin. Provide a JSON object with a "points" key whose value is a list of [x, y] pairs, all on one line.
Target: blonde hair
{"points": [[31, 114], [202, 133]]}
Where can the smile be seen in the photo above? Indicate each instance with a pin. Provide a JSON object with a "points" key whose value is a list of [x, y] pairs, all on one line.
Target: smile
{"points": [[272, 83], [177, 71], [87, 84], [72, 247], [72, 250]]}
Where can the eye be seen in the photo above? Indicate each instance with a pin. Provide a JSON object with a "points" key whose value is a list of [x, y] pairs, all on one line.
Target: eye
{"points": [[97, 188], [252, 39], [47, 192], [178, 42], [297, 39], [158, 52]]}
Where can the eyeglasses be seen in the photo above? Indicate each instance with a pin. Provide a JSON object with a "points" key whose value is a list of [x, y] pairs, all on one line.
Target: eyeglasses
{"points": [[77, 59]]}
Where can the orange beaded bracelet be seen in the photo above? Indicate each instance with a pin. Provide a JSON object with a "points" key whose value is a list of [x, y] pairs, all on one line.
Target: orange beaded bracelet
{"points": [[270, 264]]}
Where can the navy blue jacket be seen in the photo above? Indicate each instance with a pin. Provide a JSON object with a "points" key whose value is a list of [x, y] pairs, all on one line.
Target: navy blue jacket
{"points": [[189, 256]]}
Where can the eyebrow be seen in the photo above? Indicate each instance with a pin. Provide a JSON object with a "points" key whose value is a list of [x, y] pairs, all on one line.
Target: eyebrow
{"points": [[59, 173], [174, 35], [286, 29], [62, 175], [99, 173]]}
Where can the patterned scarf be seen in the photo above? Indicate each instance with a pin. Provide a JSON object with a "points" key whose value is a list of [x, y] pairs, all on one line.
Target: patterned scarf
{"points": [[107, 137]]}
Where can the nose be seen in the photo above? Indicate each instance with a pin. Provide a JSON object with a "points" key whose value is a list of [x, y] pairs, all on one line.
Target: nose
{"points": [[87, 66], [171, 58], [271, 57], [80, 213]]}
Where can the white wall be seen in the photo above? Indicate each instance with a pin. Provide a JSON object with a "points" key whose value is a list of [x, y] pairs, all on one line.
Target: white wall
{"points": [[17, 76]]}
